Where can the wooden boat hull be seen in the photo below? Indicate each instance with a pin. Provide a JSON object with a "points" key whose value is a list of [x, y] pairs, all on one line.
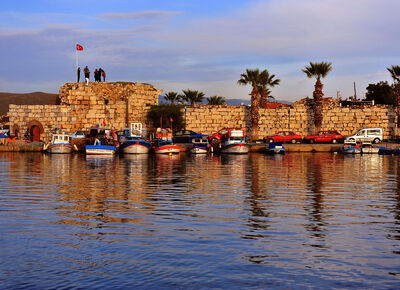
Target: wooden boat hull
{"points": [[238, 148], [198, 150], [135, 147], [275, 151], [275, 148], [166, 149], [60, 148], [370, 150], [388, 151], [351, 151], [100, 150]]}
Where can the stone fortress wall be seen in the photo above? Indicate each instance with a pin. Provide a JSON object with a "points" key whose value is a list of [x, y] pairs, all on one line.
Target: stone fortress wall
{"points": [[118, 104], [298, 117]]}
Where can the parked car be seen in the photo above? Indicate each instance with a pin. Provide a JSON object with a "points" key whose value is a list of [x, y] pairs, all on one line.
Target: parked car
{"points": [[182, 136], [284, 137], [217, 136], [374, 135], [77, 134], [329, 136]]}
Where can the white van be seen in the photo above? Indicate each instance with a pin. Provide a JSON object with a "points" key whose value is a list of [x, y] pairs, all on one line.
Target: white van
{"points": [[373, 135]]}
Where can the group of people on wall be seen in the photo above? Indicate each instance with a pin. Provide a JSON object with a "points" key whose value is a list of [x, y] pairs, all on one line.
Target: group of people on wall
{"points": [[98, 74]]}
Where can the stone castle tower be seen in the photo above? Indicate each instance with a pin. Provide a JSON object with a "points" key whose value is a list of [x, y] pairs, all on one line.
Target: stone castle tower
{"points": [[113, 105]]}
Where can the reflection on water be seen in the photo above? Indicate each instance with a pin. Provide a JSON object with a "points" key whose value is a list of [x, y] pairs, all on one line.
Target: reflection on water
{"points": [[243, 221]]}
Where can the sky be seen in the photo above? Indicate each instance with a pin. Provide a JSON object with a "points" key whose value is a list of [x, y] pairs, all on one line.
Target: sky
{"points": [[200, 45]]}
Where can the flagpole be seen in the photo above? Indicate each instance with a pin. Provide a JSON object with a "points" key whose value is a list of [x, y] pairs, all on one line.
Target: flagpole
{"points": [[76, 57]]}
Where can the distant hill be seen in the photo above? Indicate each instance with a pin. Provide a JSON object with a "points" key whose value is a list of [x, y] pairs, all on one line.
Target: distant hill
{"points": [[36, 98]]}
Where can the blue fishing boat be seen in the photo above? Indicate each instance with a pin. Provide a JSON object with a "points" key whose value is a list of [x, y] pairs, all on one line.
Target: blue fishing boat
{"points": [[198, 144], [100, 141], [388, 151], [350, 147], [275, 148], [133, 140]]}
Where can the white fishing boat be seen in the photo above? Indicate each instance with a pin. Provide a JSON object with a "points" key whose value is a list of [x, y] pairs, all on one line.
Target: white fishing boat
{"points": [[60, 143], [234, 142], [198, 144], [367, 148], [133, 140], [163, 144]]}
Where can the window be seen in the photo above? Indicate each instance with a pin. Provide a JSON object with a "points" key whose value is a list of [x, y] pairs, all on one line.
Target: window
{"points": [[374, 132]]}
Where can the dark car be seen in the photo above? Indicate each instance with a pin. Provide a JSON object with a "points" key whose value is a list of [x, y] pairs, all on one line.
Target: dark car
{"points": [[284, 137], [329, 136], [182, 136]]}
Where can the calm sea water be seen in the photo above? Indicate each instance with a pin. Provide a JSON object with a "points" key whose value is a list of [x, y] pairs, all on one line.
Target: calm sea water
{"points": [[252, 221]]}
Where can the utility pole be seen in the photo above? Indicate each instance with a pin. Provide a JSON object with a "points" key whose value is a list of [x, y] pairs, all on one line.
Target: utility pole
{"points": [[355, 92]]}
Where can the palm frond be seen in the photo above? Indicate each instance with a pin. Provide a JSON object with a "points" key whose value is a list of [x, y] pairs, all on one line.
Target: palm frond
{"points": [[216, 100], [395, 72], [317, 69]]}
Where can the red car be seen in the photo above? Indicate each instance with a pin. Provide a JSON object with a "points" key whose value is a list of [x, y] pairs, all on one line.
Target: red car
{"points": [[284, 137], [325, 136], [217, 136]]}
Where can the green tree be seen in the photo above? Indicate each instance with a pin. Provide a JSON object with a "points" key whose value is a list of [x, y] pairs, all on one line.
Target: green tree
{"points": [[252, 77], [395, 73], [381, 93], [318, 70], [266, 80], [216, 100], [172, 97], [161, 115]]}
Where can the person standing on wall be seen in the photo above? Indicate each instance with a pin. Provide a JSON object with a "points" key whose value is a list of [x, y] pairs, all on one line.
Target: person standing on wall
{"points": [[87, 74], [103, 73], [96, 75], [78, 74]]}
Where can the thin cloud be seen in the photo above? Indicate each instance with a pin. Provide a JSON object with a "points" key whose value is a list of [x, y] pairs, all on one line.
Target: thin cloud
{"points": [[149, 14]]}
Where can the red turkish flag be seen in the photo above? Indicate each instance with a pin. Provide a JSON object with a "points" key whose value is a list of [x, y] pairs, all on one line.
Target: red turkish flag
{"points": [[79, 47]]}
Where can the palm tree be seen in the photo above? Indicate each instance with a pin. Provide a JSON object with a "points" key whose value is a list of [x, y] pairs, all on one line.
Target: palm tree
{"points": [[395, 73], [266, 80], [192, 97], [252, 77], [318, 70], [172, 97], [216, 100]]}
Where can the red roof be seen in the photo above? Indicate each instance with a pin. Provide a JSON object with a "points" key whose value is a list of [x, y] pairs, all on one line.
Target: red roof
{"points": [[275, 105]]}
